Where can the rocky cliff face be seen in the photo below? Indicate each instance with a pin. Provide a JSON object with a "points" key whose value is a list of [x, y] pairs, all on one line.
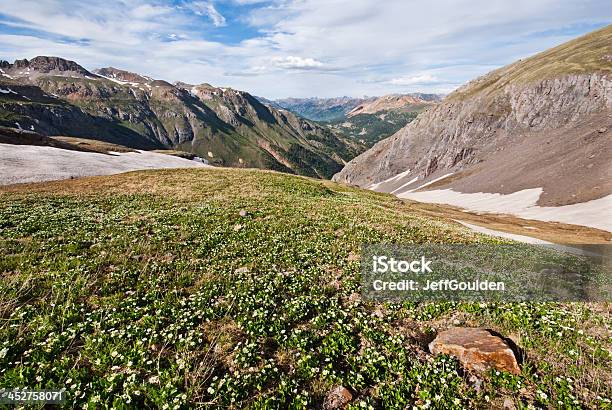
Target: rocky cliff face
{"points": [[507, 111], [228, 127]]}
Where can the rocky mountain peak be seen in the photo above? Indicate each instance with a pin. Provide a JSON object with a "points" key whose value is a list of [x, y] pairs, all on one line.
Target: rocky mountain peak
{"points": [[48, 65], [121, 75]]}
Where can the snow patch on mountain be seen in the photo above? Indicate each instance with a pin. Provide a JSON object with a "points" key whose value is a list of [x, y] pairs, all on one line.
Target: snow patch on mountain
{"points": [[27, 163], [594, 213]]}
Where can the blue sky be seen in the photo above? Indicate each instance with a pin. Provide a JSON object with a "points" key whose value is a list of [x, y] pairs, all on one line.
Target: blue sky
{"points": [[299, 48]]}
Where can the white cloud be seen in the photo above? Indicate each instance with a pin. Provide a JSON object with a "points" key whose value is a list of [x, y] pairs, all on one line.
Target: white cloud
{"points": [[206, 8], [293, 62], [149, 10], [298, 47], [249, 1], [420, 79], [452, 41]]}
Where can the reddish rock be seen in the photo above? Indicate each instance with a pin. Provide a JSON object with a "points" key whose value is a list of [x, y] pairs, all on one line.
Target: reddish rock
{"points": [[338, 398], [477, 349]]}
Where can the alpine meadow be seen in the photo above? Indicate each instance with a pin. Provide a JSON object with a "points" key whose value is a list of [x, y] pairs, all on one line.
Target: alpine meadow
{"points": [[298, 204]]}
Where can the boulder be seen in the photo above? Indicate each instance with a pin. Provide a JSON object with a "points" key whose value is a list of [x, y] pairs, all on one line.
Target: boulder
{"points": [[477, 349], [338, 398]]}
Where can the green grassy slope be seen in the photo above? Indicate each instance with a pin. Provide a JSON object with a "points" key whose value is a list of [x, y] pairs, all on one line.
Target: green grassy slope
{"points": [[150, 289]]}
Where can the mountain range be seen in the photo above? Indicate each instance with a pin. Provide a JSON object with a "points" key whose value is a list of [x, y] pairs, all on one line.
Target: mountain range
{"points": [[403, 102], [376, 119], [366, 120], [321, 109], [535, 133], [531, 136], [54, 96], [340, 108]]}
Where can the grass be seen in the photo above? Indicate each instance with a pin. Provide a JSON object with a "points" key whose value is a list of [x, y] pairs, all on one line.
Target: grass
{"points": [[150, 289]]}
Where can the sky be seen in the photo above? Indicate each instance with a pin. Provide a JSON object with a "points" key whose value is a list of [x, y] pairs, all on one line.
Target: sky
{"points": [[298, 48]]}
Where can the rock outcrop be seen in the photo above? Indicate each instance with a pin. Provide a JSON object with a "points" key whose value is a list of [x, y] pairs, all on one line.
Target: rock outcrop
{"points": [[43, 65], [477, 349]]}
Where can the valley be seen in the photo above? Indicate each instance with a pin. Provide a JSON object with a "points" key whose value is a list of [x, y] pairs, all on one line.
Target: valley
{"points": [[366, 120]]}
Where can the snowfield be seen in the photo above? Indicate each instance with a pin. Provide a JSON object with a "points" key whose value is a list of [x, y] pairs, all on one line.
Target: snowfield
{"points": [[594, 214], [392, 179], [27, 163]]}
